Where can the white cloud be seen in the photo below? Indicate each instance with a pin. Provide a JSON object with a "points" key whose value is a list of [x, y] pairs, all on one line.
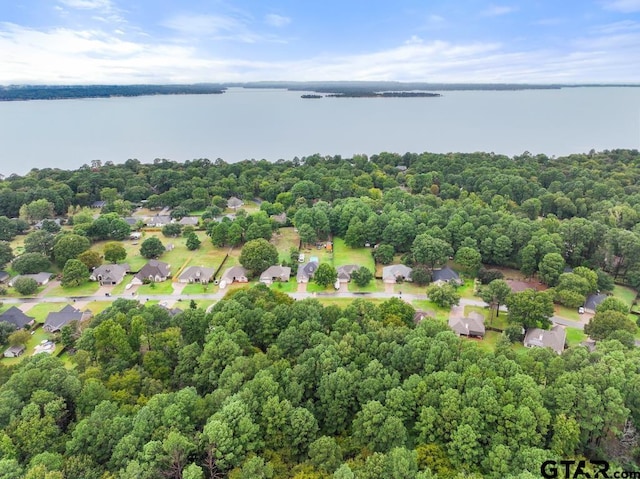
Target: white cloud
{"points": [[276, 20], [624, 6], [498, 10], [607, 54], [88, 4]]}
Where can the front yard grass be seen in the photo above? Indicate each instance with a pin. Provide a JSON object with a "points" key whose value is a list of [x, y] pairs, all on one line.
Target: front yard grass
{"points": [[198, 288], [165, 287], [374, 286], [97, 307], [467, 290], [567, 313], [313, 287], [409, 288], [429, 306], [86, 289], [290, 286]]}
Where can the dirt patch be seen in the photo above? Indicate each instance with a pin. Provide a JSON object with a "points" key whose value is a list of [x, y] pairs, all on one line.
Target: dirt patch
{"points": [[521, 285]]}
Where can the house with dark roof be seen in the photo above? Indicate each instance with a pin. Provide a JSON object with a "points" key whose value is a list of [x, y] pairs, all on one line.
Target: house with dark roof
{"points": [[189, 221], [235, 274], [131, 221], [592, 302], [40, 278], [14, 351], [306, 271], [196, 274], [39, 224], [540, 338], [98, 204], [275, 273], [396, 272], [471, 326], [4, 277], [16, 317], [57, 320], [345, 272], [445, 275], [154, 271], [109, 274], [420, 315]]}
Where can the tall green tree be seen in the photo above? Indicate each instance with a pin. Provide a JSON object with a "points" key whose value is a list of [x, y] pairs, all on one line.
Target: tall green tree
{"points": [[257, 255], [530, 308]]}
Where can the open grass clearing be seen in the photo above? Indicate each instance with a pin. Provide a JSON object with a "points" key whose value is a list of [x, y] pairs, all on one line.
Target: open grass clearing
{"points": [[343, 254], [97, 307], [284, 240], [430, 306], [409, 288], [628, 295], [567, 313], [575, 336], [468, 289], [488, 343]]}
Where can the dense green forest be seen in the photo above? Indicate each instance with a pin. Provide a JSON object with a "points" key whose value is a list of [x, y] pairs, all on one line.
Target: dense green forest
{"points": [[263, 386]]}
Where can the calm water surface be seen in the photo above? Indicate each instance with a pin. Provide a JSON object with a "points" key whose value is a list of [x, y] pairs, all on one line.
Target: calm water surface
{"points": [[274, 124]]}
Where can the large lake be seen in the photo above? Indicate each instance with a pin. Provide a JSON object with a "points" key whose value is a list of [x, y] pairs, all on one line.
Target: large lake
{"points": [[273, 124]]}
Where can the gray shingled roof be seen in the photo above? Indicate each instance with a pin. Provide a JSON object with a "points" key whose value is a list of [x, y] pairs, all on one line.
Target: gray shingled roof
{"points": [[234, 202], [395, 271], [16, 317], [234, 273], [280, 273], [110, 273], [154, 268], [345, 272], [40, 278], [553, 338], [56, 320], [593, 300], [307, 270], [470, 326], [197, 273], [445, 274]]}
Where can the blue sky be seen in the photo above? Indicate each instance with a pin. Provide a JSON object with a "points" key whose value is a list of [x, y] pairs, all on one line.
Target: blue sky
{"points": [[161, 41]]}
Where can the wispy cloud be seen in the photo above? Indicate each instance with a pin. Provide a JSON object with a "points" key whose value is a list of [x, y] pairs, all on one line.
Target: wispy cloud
{"points": [[277, 21], [498, 10], [87, 4], [624, 6]]}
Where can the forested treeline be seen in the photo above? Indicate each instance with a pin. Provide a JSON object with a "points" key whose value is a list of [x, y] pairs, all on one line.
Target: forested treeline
{"points": [[513, 211], [266, 387]]}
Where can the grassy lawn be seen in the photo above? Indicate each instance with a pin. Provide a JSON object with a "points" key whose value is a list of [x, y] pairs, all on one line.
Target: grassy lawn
{"points": [[568, 313], [575, 336], [197, 288], [372, 287], [204, 303], [500, 322], [627, 295], [284, 240], [40, 311], [467, 290], [121, 288], [342, 254], [290, 286], [87, 289], [489, 342], [97, 307], [165, 287], [409, 288], [344, 302], [441, 313], [316, 288]]}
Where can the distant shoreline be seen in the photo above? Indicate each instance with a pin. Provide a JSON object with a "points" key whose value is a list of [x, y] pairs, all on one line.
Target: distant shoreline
{"points": [[316, 89]]}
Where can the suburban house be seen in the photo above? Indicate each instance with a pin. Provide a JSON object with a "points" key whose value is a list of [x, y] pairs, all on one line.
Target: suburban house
{"points": [[445, 275], [553, 338], [234, 203], [40, 278], [154, 271], [235, 274], [345, 272], [395, 272], [189, 221], [196, 274], [420, 315], [131, 221], [109, 274], [14, 351], [471, 326], [16, 317], [4, 277], [592, 302], [57, 320], [172, 311], [98, 204], [158, 221], [275, 273], [306, 271]]}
